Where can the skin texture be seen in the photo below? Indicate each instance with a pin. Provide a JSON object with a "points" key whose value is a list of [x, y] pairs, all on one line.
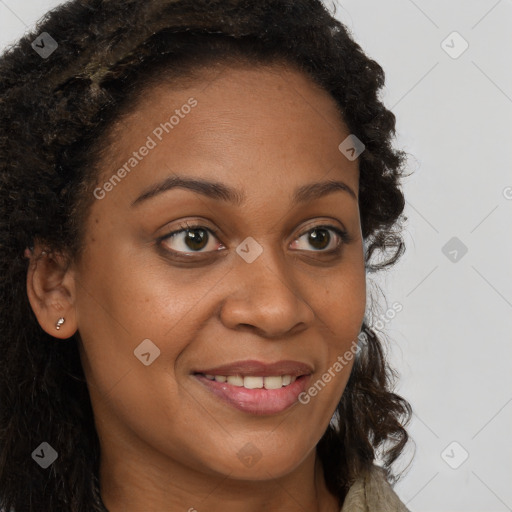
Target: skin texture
{"points": [[167, 443]]}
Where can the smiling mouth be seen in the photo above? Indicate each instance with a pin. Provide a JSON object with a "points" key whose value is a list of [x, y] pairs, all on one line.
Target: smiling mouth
{"points": [[254, 394]]}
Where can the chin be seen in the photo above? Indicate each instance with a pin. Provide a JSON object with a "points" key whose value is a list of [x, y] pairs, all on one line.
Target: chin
{"points": [[252, 463]]}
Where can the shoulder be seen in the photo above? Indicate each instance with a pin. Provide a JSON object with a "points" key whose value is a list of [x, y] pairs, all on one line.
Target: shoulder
{"points": [[373, 493]]}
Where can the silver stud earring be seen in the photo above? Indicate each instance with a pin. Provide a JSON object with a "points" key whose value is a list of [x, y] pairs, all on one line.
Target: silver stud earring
{"points": [[60, 321]]}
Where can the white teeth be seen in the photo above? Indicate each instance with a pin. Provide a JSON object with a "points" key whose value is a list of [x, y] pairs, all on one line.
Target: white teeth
{"points": [[236, 380], [251, 382], [273, 382], [255, 382]]}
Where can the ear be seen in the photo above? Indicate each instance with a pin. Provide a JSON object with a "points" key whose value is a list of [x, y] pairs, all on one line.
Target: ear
{"points": [[51, 291]]}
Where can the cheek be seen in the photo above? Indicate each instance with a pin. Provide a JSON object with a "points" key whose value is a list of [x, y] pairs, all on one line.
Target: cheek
{"points": [[127, 309], [343, 303], [340, 311], [343, 308]]}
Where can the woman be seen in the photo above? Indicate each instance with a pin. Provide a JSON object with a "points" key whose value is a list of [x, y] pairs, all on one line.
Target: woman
{"points": [[192, 193]]}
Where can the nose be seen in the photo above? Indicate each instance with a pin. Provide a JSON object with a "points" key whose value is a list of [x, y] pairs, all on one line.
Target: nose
{"points": [[265, 297]]}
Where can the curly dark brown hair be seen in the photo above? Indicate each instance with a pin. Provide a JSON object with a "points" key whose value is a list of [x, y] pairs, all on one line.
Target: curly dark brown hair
{"points": [[56, 113]]}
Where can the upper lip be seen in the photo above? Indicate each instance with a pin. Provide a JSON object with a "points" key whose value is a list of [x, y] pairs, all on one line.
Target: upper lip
{"points": [[258, 368]]}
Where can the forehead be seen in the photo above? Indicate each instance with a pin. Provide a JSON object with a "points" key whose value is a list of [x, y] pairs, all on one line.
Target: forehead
{"points": [[247, 125], [244, 80], [234, 92]]}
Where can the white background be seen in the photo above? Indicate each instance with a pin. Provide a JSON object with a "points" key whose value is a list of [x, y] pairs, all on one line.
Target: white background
{"points": [[451, 343]]}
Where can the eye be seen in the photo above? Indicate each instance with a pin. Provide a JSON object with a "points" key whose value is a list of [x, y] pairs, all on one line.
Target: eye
{"points": [[320, 239], [195, 238]]}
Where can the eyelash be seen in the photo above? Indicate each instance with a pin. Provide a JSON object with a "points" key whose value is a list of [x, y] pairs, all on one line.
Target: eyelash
{"points": [[343, 235]]}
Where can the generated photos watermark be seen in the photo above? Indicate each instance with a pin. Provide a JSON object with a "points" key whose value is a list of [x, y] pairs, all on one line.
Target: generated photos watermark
{"points": [[137, 156], [344, 359]]}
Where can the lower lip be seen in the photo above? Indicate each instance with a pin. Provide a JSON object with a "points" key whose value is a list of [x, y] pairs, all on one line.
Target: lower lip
{"points": [[257, 401]]}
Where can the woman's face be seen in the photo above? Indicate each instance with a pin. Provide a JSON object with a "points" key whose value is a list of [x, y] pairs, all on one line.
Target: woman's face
{"points": [[252, 285]]}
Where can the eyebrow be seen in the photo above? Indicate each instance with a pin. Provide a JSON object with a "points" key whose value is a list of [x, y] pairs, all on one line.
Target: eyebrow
{"points": [[220, 192]]}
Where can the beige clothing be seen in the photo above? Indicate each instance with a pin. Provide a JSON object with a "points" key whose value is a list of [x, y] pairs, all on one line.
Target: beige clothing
{"points": [[373, 493]]}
